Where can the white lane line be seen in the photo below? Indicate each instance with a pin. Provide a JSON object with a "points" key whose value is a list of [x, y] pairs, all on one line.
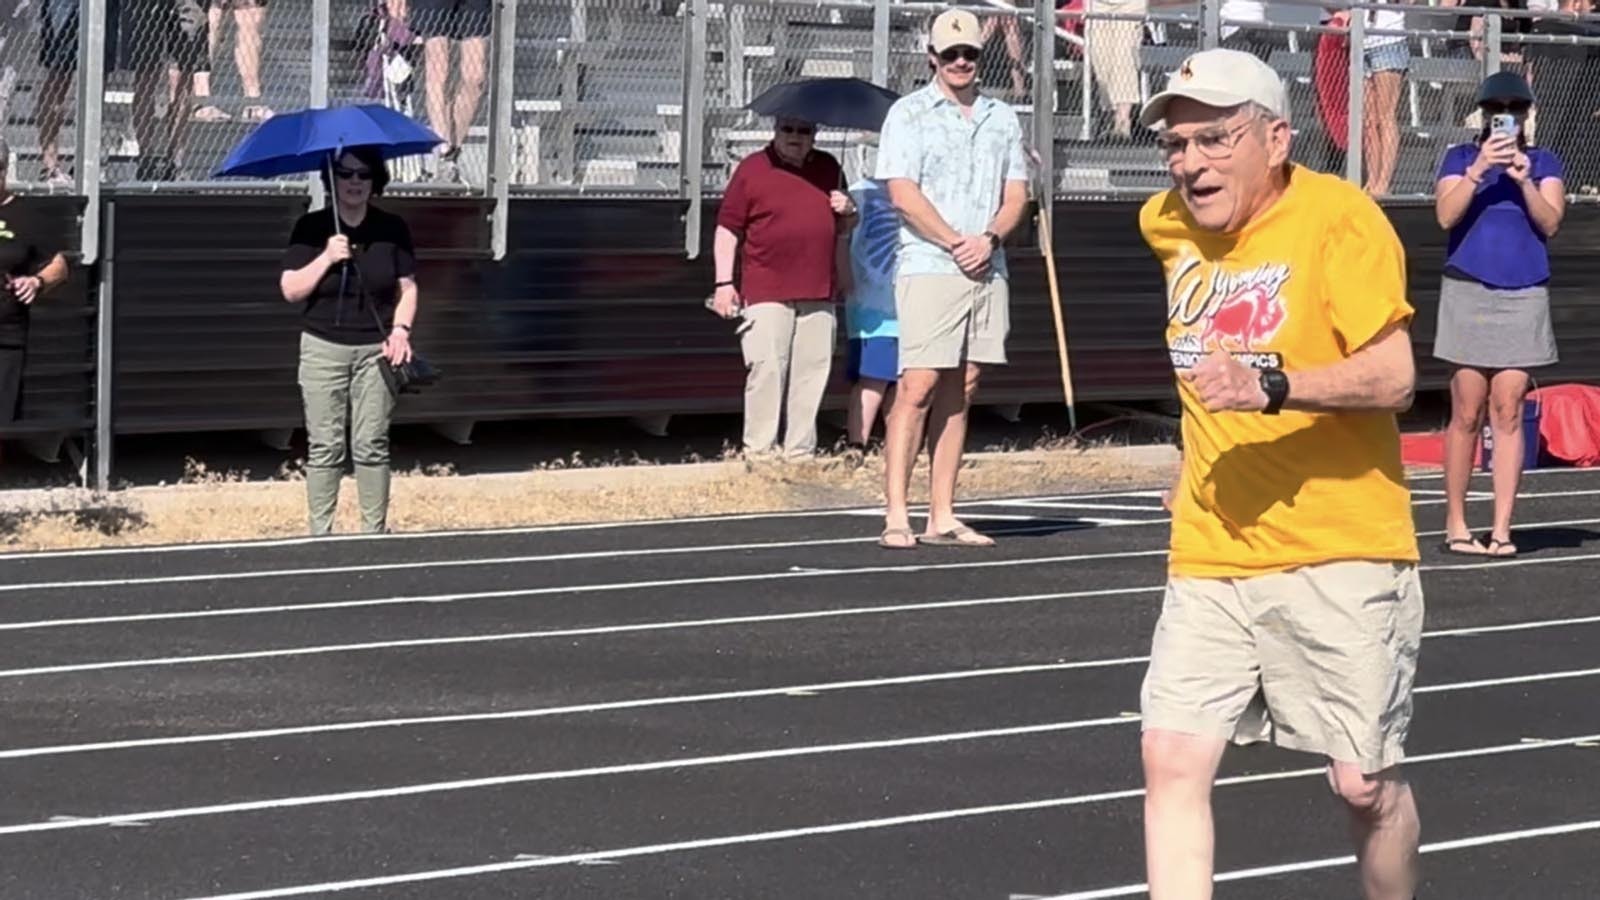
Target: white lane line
{"points": [[793, 690], [1087, 523], [58, 823], [792, 572], [858, 825], [269, 543], [409, 643], [491, 561], [572, 589], [1333, 862]]}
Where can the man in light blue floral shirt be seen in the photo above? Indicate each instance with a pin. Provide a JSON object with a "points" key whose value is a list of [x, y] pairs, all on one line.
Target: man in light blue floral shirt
{"points": [[954, 165]]}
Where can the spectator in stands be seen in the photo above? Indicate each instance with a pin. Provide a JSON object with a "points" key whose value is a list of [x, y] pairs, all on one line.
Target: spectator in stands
{"points": [[1387, 57], [872, 362], [163, 43], [1244, 28], [467, 24], [782, 221], [954, 164], [1293, 611], [58, 57], [1113, 50], [359, 290], [1007, 24], [1501, 199], [249, 17], [1565, 75], [32, 267]]}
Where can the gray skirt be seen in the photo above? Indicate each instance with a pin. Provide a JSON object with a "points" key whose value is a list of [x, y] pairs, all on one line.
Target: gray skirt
{"points": [[1493, 328]]}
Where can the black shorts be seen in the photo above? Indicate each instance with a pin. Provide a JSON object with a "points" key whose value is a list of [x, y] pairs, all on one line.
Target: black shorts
{"points": [[457, 20], [11, 360], [141, 36]]}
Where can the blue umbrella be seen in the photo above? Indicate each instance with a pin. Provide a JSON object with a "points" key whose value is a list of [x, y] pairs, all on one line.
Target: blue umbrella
{"points": [[840, 102], [304, 141]]}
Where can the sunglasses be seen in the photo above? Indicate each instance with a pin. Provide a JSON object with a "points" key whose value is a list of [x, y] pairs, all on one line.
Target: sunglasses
{"points": [[802, 130], [1499, 106], [358, 174], [950, 55]]}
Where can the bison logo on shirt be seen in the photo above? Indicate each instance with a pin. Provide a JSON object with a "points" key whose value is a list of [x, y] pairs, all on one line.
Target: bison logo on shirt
{"points": [[1211, 308]]}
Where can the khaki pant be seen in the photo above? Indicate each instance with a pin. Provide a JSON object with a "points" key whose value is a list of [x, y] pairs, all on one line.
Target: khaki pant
{"points": [[788, 353], [345, 397], [1318, 659]]}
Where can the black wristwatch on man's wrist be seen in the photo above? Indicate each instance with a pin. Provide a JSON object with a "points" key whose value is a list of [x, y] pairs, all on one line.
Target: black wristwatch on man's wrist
{"points": [[1276, 386], [994, 240]]}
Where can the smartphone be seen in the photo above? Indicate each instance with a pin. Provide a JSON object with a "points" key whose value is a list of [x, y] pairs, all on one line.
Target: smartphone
{"points": [[1503, 123]]}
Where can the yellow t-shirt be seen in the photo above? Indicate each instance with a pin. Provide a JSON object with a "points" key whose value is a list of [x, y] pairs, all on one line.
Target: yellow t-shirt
{"points": [[1306, 284]]}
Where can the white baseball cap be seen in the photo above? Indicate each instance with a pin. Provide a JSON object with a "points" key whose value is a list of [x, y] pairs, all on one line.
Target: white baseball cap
{"points": [[955, 28], [1220, 78]]}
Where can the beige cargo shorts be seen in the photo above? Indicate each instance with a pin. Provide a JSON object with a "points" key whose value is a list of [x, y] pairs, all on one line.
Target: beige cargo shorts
{"points": [[1318, 659], [949, 320]]}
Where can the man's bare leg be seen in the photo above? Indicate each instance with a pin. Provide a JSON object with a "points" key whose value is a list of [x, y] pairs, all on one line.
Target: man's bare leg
{"points": [[947, 438], [1179, 837], [52, 105], [1384, 827], [469, 87], [902, 439]]}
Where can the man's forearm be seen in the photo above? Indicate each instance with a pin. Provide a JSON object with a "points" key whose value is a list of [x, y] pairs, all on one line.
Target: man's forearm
{"points": [[1380, 377], [723, 247], [1011, 212], [920, 215]]}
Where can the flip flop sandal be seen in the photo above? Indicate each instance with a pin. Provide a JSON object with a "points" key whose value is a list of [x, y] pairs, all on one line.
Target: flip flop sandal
{"points": [[1494, 545], [883, 539], [1451, 545], [953, 538]]}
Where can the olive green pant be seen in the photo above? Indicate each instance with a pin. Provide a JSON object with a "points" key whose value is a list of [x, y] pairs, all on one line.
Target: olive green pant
{"points": [[345, 398]]}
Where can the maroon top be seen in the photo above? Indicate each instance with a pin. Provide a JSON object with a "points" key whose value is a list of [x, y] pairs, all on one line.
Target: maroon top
{"points": [[787, 227]]}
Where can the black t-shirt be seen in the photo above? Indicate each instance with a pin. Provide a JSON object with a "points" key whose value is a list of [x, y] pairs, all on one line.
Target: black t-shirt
{"points": [[24, 250], [380, 255]]}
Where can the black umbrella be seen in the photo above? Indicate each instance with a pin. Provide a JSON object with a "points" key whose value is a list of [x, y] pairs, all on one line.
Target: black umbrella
{"points": [[840, 102]]}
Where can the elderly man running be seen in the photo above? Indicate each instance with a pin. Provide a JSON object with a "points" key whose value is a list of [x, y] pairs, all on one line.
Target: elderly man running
{"points": [[1293, 609]]}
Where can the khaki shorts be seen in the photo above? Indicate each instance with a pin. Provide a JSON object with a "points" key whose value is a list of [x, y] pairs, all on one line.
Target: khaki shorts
{"points": [[948, 320], [1318, 659]]}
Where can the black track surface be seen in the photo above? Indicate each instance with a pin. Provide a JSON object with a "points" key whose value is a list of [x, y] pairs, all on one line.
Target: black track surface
{"points": [[756, 707]]}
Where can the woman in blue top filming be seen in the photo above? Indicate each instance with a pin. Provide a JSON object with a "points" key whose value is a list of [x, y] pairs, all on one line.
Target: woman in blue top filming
{"points": [[1501, 199]]}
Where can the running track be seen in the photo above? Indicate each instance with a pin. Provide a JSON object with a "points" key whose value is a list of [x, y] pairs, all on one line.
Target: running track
{"points": [[749, 707]]}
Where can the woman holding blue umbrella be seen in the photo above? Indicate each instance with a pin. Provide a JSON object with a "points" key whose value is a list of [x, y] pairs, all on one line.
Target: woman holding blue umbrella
{"points": [[352, 266]]}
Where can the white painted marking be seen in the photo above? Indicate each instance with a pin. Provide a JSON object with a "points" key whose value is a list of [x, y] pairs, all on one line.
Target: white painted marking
{"points": [[792, 572], [1333, 862], [1054, 504], [659, 765], [798, 690], [491, 561], [858, 825], [489, 532], [634, 627]]}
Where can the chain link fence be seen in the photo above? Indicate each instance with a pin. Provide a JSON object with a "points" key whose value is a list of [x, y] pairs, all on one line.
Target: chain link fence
{"points": [[608, 95]]}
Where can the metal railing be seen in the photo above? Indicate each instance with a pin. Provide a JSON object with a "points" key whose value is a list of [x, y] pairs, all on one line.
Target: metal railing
{"points": [[635, 98]]}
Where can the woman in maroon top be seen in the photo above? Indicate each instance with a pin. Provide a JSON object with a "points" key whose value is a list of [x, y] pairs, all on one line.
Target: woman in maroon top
{"points": [[786, 223]]}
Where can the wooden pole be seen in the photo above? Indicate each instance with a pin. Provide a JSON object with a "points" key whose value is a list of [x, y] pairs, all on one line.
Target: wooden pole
{"points": [[1047, 249]]}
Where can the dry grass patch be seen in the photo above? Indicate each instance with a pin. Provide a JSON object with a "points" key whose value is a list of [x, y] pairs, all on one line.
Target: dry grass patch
{"points": [[213, 506]]}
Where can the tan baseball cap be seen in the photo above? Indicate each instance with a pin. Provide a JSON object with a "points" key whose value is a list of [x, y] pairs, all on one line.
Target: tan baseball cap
{"points": [[955, 28], [1220, 78]]}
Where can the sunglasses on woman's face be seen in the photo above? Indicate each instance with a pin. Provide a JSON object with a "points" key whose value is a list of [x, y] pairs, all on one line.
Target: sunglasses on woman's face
{"points": [[347, 174], [950, 55], [802, 130], [1495, 107]]}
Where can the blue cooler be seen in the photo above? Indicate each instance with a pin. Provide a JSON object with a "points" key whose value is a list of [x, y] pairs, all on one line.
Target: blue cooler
{"points": [[1530, 438]]}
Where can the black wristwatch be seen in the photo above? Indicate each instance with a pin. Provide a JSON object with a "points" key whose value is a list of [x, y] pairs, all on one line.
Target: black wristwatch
{"points": [[1276, 386], [994, 240]]}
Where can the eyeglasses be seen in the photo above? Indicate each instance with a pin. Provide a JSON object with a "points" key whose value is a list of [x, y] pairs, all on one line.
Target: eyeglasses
{"points": [[951, 54], [802, 130], [347, 174], [1212, 144], [1493, 107]]}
